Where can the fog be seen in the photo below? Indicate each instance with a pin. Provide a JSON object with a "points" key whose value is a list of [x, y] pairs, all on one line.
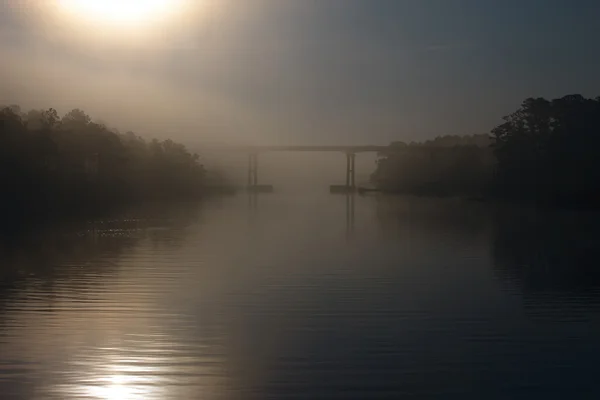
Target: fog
{"points": [[177, 225], [294, 171], [122, 98], [260, 72], [268, 72], [212, 75], [195, 81]]}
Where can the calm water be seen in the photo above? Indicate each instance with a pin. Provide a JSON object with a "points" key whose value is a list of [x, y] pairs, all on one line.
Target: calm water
{"points": [[306, 297]]}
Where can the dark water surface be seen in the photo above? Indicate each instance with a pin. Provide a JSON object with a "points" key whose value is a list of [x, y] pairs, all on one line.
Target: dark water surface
{"points": [[310, 297]]}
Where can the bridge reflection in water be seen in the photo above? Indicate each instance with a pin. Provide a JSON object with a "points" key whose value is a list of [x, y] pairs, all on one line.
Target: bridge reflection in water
{"points": [[349, 215], [253, 209]]}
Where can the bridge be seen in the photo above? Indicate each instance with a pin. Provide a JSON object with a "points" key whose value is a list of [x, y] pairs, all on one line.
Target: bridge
{"points": [[350, 152]]}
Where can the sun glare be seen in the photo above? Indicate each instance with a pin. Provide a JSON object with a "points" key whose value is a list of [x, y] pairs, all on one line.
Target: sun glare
{"points": [[124, 13]]}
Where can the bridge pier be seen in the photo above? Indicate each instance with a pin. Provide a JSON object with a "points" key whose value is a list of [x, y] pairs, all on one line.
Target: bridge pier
{"points": [[350, 169], [350, 185], [252, 170], [253, 185]]}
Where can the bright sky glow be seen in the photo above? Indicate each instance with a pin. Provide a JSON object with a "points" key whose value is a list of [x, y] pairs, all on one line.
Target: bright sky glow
{"points": [[123, 13]]}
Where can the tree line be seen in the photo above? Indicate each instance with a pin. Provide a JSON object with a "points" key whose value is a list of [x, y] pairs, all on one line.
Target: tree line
{"points": [[446, 165], [544, 152], [71, 164]]}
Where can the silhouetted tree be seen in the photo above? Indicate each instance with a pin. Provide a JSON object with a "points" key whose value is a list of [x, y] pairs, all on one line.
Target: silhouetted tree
{"points": [[446, 165], [547, 151], [62, 165]]}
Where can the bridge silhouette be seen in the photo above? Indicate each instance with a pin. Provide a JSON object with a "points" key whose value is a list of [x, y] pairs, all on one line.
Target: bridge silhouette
{"points": [[350, 152]]}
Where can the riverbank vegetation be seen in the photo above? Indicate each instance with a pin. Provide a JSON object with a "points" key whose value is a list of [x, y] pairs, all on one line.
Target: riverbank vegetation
{"points": [[544, 152], [70, 165], [445, 166]]}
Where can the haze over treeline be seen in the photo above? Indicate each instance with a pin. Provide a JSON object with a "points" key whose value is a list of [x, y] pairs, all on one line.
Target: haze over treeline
{"points": [[65, 165], [545, 151], [306, 72]]}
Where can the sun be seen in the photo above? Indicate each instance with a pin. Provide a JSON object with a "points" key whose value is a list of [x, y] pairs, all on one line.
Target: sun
{"points": [[123, 13]]}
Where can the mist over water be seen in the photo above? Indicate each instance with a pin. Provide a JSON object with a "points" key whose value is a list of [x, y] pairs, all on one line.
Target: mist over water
{"points": [[170, 229], [293, 172], [311, 296]]}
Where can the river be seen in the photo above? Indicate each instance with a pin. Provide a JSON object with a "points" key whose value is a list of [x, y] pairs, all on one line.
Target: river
{"points": [[305, 297]]}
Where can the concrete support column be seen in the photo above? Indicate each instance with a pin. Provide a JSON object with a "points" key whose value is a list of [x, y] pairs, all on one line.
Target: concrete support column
{"points": [[352, 171], [252, 170], [255, 178], [348, 170], [350, 174]]}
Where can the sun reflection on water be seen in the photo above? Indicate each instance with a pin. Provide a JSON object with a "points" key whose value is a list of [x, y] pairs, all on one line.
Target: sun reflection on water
{"points": [[117, 374], [118, 387], [114, 379]]}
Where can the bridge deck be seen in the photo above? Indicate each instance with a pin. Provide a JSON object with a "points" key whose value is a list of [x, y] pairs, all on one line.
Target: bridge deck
{"points": [[325, 148], [351, 149], [304, 148]]}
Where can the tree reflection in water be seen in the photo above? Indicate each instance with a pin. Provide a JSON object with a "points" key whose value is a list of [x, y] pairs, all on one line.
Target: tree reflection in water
{"points": [[550, 251]]}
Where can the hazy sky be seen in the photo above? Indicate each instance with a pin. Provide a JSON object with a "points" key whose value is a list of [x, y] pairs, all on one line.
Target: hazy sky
{"points": [[306, 71]]}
